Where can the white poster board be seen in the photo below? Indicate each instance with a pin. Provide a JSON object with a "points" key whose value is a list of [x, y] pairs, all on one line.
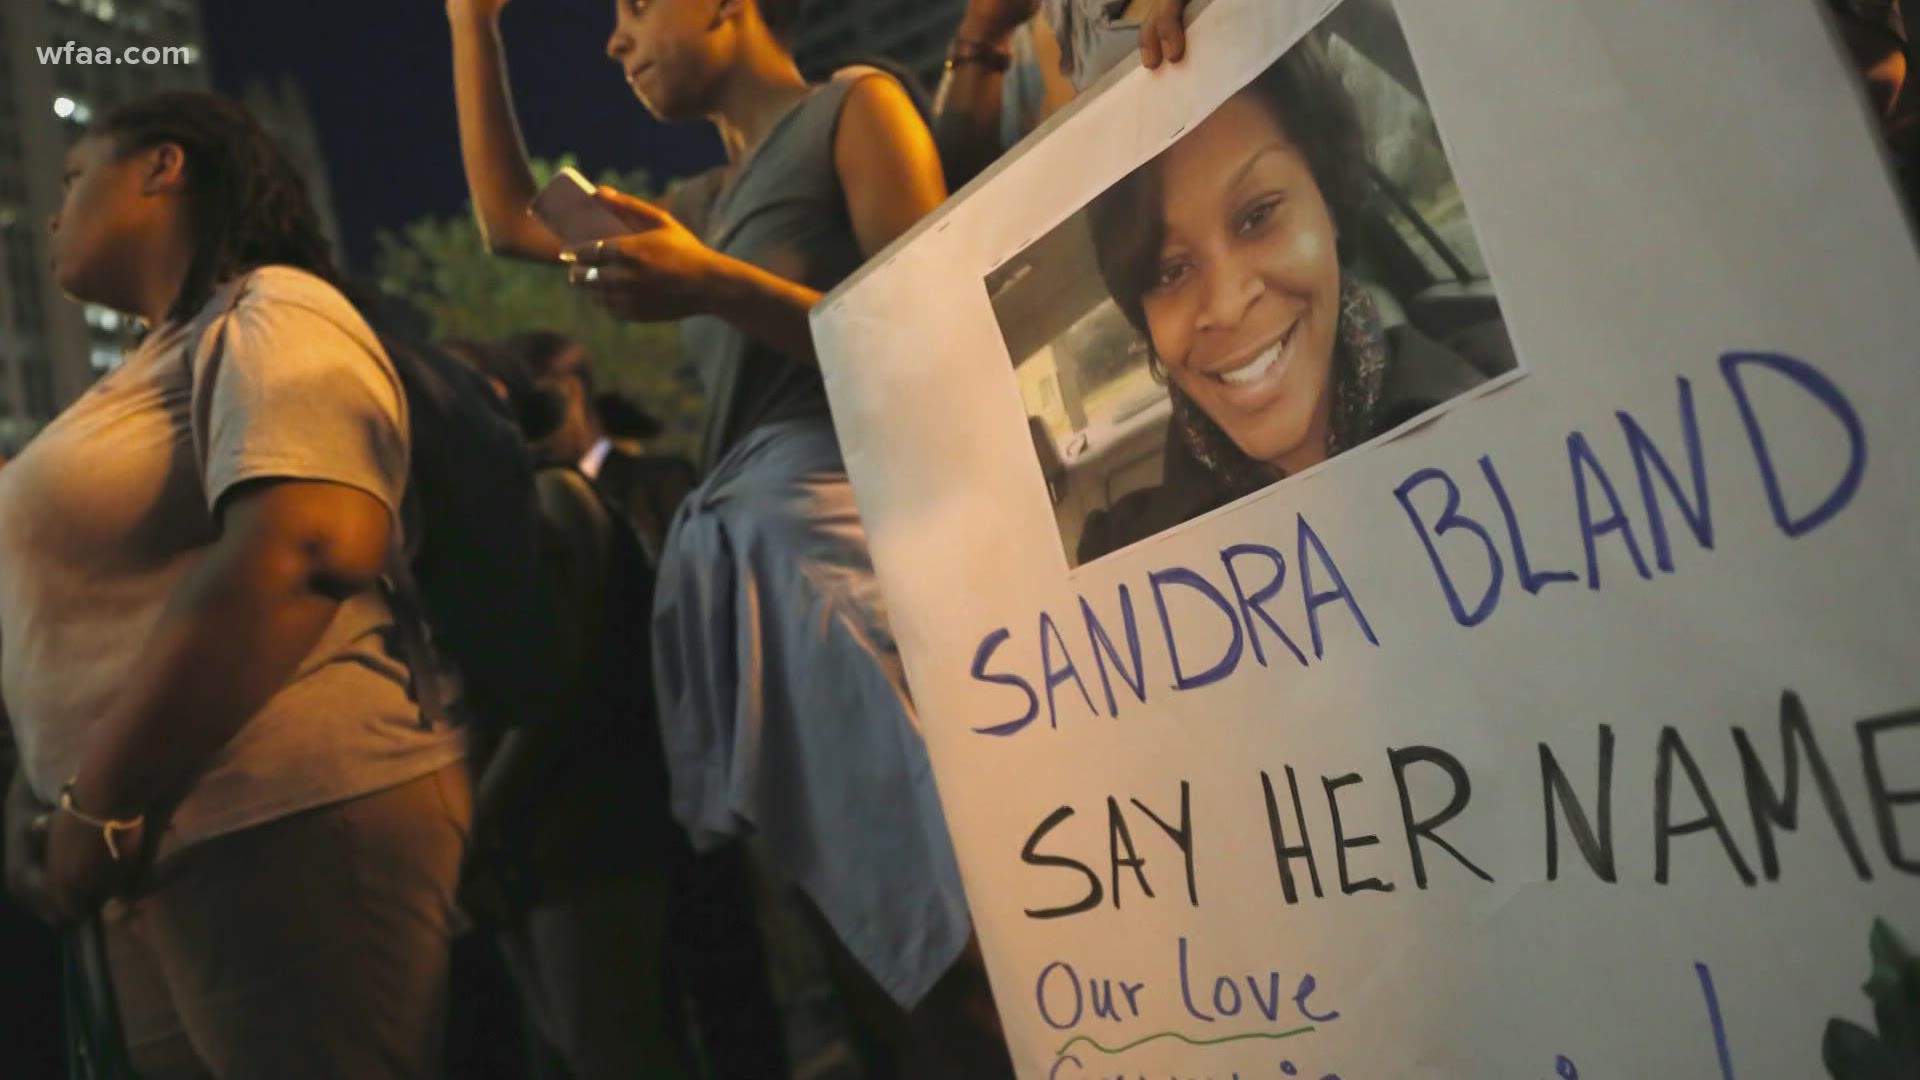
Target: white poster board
{"points": [[1569, 730]]}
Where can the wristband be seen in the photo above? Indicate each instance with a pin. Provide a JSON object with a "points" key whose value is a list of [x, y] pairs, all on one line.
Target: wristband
{"points": [[108, 827], [996, 58]]}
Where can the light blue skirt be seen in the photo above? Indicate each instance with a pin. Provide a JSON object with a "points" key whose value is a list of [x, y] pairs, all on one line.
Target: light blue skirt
{"points": [[785, 710]]}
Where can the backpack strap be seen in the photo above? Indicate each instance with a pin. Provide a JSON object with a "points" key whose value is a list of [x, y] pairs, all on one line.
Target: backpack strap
{"points": [[412, 631], [416, 645]]}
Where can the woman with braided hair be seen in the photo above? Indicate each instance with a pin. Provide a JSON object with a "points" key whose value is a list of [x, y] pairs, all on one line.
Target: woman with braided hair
{"points": [[219, 741]]}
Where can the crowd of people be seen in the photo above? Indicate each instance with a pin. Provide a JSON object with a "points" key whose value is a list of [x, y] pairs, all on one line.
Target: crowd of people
{"points": [[274, 793]]}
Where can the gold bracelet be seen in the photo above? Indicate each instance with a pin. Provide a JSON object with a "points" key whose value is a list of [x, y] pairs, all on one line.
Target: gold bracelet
{"points": [[107, 826]]}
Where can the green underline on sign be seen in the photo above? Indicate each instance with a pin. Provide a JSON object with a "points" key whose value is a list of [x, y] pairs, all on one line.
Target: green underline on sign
{"points": [[1270, 1036]]}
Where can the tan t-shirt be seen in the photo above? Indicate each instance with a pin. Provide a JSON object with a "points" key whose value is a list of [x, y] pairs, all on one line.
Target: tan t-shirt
{"points": [[112, 505]]}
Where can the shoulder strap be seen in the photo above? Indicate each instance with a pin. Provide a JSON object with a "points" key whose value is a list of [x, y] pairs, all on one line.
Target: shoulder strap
{"points": [[424, 674], [427, 677]]}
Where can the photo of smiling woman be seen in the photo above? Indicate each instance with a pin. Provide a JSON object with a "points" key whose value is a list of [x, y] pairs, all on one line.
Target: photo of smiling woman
{"points": [[1275, 300]]}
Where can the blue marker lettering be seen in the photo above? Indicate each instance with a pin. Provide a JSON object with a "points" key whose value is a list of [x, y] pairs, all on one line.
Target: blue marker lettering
{"points": [[1450, 519], [1822, 389]]}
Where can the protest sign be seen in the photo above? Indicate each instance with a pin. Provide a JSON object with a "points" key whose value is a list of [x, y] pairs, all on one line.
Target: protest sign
{"points": [[1402, 534]]}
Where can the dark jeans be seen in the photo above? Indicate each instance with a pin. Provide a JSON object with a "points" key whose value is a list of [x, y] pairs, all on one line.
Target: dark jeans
{"points": [[952, 1034], [30, 997], [717, 961]]}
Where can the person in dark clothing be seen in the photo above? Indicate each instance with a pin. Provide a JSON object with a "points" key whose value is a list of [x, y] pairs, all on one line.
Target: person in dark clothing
{"points": [[31, 975], [624, 420], [573, 847], [1228, 253], [581, 868], [646, 488]]}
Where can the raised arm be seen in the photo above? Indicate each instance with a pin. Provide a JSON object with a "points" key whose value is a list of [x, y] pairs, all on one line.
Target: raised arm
{"points": [[967, 107], [491, 150]]}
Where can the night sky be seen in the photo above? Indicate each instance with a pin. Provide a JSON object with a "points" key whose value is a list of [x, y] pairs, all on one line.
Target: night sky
{"points": [[378, 76]]}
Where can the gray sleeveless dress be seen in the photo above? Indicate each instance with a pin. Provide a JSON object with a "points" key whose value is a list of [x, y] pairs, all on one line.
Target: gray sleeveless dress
{"points": [[784, 707]]}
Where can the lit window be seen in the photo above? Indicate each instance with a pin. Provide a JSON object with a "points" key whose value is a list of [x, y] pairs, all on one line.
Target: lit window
{"points": [[103, 358]]}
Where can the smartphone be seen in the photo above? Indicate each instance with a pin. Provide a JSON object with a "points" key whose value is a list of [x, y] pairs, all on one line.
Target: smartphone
{"points": [[569, 207]]}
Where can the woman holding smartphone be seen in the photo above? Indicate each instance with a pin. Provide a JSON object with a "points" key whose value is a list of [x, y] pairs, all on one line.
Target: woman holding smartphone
{"points": [[784, 705]]}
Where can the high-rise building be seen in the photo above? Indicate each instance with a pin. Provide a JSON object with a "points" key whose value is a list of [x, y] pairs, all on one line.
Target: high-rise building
{"points": [[64, 63], [914, 33], [281, 108]]}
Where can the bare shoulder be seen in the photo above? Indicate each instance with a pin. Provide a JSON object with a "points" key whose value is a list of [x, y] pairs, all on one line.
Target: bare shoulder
{"points": [[879, 122], [878, 114]]}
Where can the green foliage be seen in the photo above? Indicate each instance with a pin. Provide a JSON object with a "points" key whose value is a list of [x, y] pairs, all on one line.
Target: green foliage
{"points": [[440, 266], [1852, 1052]]}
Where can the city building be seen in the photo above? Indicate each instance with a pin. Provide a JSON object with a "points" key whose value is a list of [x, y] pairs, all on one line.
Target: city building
{"points": [[52, 83], [914, 33]]}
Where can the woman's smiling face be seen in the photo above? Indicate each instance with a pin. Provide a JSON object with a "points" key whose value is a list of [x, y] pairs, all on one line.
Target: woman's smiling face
{"points": [[1244, 306]]}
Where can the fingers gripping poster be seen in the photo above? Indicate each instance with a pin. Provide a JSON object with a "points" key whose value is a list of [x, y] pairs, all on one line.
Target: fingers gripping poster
{"points": [[1403, 535]]}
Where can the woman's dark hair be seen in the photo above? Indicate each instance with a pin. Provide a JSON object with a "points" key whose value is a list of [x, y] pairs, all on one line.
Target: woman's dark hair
{"points": [[537, 351], [534, 355], [535, 410], [621, 417], [247, 206], [1309, 101]]}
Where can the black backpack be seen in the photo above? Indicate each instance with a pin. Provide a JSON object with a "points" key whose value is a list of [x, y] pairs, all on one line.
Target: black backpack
{"points": [[472, 572]]}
